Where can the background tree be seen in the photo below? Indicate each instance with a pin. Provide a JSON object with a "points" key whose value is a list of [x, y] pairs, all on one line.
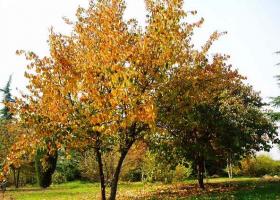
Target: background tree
{"points": [[276, 101], [210, 113], [5, 113], [277, 52], [7, 137]]}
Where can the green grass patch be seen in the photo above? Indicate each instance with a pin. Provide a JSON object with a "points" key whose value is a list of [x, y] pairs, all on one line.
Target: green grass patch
{"points": [[258, 191], [218, 188]]}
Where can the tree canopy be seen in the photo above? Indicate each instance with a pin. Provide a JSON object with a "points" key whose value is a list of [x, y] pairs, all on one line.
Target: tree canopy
{"points": [[110, 83]]}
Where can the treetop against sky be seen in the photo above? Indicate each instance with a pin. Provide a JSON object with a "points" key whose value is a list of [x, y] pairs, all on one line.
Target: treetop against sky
{"points": [[252, 26]]}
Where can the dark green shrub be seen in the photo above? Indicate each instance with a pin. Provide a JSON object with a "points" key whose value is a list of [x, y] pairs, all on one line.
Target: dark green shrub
{"points": [[45, 165], [133, 175]]}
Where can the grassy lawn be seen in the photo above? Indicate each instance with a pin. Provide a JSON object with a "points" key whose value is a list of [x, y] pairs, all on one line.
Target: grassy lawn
{"points": [[220, 188], [74, 190], [254, 191]]}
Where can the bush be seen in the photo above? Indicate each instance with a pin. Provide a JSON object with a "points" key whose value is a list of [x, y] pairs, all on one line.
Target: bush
{"points": [[259, 166], [182, 172], [68, 166], [58, 178], [155, 169], [132, 175]]}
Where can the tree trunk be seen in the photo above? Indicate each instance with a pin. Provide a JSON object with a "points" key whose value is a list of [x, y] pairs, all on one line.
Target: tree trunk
{"points": [[17, 178], [14, 174], [101, 172], [205, 171], [229, 166], [200, 173], [115, 180]]}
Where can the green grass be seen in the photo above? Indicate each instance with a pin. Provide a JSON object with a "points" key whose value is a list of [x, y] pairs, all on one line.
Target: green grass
{"points": [[73, 190], [219, 188], [258, 191]]}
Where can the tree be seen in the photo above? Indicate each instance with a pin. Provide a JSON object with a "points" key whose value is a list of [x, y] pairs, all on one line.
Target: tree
{"points": [[4, 116], [97, 88], [45, 169], [276, 101], [211, 114], [5, 113], [7, 136]]}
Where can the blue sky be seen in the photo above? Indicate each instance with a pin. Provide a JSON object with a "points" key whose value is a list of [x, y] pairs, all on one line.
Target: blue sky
{"points": [[253, 28]]}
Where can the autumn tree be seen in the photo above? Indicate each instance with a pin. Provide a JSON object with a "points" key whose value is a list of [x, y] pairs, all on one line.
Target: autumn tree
{"points": [[28, 147], [97, 87], [211, 114], [7, 135]]}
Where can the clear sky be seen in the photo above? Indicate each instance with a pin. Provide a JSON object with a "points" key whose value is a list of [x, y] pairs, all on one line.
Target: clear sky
{"points": [[253, 28]]}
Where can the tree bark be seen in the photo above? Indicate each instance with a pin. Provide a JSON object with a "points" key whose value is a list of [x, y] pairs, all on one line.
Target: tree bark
{"points": [[129, 141], [115, 180], [101, 171], [200, 173], [17, 178], [14, 173], [229, 166]]}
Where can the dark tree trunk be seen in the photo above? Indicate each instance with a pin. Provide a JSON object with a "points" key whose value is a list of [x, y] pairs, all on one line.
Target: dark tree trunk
{"points": [[17, 178], [200, 173], [101, 171], [114, 185], [129, 141], [14, 174]]}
